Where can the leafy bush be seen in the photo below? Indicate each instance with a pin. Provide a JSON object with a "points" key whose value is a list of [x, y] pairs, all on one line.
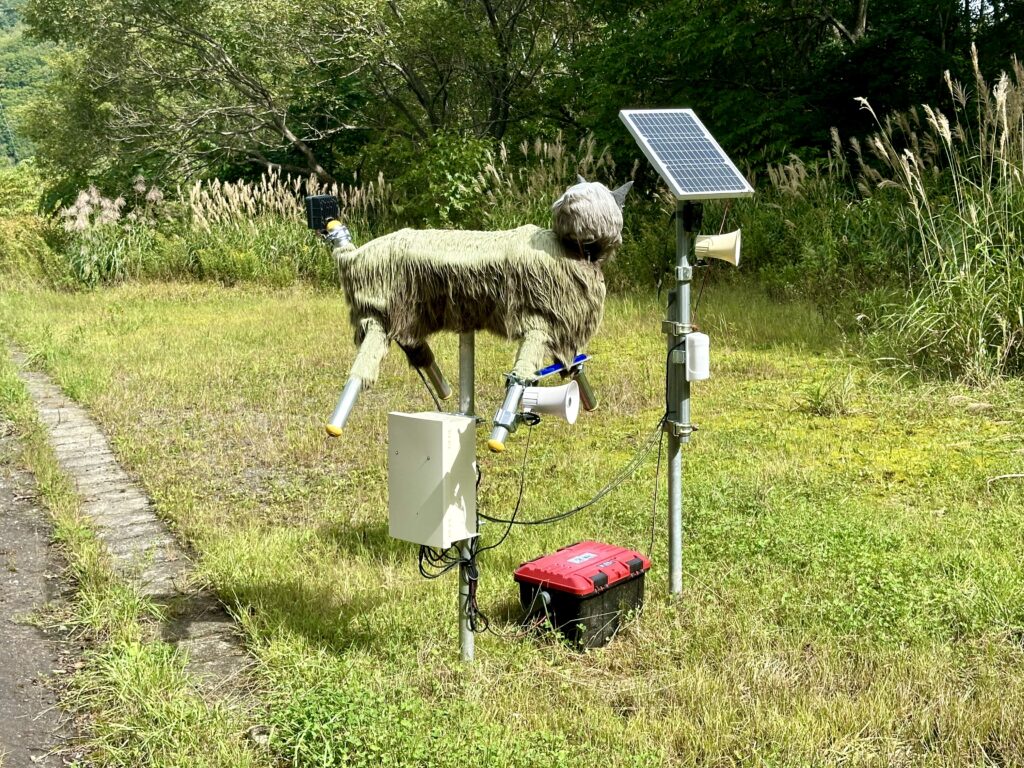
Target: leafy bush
{"points": [[436, 185], [27, 239]]}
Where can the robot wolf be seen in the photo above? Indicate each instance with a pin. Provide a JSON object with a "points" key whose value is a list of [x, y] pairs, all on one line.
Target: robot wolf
{"points": [[541, 287]]}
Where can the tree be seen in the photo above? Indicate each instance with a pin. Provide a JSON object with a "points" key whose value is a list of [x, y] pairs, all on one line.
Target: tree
{"points": [[193, 83], [473, 66], [768, 78]]}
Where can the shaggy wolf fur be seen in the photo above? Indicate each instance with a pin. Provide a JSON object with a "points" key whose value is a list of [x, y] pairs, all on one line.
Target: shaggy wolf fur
{"points": [[542, 287]]}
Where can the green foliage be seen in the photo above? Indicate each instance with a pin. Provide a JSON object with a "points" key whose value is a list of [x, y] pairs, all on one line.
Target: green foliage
{"points": [[830, 396], [270, 252], [332, 88], [963, 315], [436, 183], [23, 74], [337, 715], [808, 232], [69, 128], [27, 240], [20, 189], [145, 712]]}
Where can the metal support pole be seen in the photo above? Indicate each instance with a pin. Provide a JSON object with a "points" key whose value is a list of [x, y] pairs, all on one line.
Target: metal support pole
{"points": [[467, 364], [466, 639], [467, 407], [346, 402], [677, 422]]}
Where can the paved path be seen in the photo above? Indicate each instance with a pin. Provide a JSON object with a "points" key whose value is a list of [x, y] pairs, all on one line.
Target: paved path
{"points": [[31, 726], [139, 543]]}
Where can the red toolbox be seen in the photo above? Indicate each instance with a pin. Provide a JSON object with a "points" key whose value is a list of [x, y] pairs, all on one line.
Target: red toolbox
{"points": [[584, 589]]}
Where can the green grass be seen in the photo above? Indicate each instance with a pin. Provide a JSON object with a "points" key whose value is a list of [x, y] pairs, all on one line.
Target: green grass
{"points": [[133, 702], [852, 585]]}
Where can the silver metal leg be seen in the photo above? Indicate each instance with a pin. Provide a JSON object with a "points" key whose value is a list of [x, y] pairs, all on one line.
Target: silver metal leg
{"points": [[505, 418], [467, 363], [347, 401], [437, 380]]}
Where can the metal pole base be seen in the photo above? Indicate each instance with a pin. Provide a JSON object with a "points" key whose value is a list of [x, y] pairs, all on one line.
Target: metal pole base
{"points": [[466, 638]]}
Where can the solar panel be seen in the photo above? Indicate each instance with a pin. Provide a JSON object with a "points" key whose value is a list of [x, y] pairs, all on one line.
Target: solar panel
{"points": [[685, 155]]}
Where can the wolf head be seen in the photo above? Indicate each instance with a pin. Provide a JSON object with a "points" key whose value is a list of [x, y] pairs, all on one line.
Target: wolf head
{"points": [[588, 216]]}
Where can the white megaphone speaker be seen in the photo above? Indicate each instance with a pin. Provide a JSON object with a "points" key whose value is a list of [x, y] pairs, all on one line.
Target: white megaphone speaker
{"points": [[724, 247], [563, 401]]}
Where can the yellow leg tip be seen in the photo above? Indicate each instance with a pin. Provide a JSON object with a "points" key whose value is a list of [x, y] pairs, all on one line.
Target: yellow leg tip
{"points": [[332, 430], [495, 446]]}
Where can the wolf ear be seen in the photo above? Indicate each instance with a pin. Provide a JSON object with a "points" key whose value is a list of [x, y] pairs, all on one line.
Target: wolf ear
{"points": [[581, 179], [620, 193]]}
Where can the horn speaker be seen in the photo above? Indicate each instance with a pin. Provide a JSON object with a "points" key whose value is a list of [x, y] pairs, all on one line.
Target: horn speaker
{"points": [[723, 247], [563, 401]]}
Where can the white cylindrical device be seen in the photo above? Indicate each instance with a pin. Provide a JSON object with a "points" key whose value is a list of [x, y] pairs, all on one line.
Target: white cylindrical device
{"points": [[563, 401], [698, 357]]}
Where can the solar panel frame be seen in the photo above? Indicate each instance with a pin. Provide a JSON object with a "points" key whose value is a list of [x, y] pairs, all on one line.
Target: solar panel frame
{"points": [[718, 177]]}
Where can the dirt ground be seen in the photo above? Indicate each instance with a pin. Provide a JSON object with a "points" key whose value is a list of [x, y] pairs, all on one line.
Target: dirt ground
{"points": [[31, 724]]}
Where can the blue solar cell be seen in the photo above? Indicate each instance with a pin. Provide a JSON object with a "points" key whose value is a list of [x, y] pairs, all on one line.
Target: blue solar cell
{"points": [[686, 156]]}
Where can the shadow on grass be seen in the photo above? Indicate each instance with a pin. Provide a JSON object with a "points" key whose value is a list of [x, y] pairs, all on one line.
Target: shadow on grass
{"points": [[339, 620], [366, 539], [324, 614]]}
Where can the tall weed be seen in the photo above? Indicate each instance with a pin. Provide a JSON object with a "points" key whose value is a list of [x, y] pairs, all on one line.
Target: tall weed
{"points": [[962, 178]]}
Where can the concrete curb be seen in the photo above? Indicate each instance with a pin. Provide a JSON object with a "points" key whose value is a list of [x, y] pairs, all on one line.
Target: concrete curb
{"points": [[141, 547]]}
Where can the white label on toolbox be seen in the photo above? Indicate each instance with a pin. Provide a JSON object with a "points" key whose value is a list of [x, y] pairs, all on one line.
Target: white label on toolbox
{"points": [[606, 563], [582, 558]]}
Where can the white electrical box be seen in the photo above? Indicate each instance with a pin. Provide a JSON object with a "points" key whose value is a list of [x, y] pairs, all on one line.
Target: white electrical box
{"points": [[431, 478], [698, 357]]}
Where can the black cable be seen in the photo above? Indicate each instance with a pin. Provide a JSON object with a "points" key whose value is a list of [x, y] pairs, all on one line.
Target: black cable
{"points": [[515, 512], [623, 474], [440, 560], [437, 403], [654, 504], [703, 280], [704, 277]]}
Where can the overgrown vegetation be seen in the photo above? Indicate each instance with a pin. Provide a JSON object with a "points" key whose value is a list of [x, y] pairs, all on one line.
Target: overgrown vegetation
{"points": [[963, 178], [911, 236], [852, 589], [347, 88]]}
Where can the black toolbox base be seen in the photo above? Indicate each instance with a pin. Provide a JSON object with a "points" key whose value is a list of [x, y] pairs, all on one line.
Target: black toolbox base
{"points": [[590, 621]]}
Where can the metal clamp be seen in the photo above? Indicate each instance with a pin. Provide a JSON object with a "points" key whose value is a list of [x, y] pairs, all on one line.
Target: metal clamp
{"points": [[682, 431], [684, 274], [673, 328]]}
